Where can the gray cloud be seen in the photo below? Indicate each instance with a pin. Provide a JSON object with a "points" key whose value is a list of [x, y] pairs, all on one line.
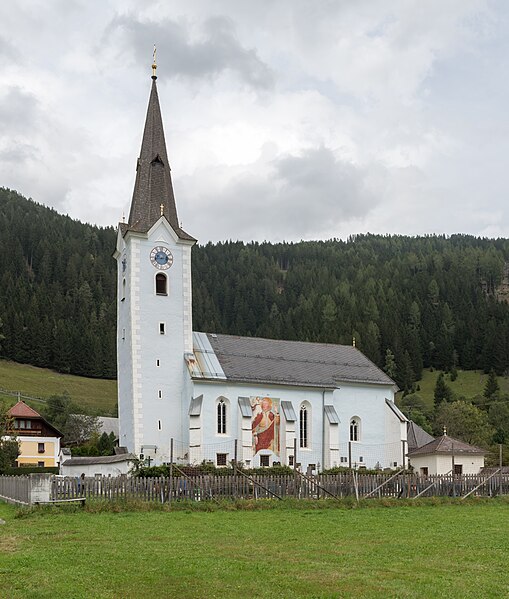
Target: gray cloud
{"points": [[299, 197], [19, 112], [216, 52]]}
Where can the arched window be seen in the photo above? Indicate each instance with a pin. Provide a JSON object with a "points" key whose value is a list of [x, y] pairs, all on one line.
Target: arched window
{"points": [[304, 426], [221, 417], [355, 429], [161, 284]]}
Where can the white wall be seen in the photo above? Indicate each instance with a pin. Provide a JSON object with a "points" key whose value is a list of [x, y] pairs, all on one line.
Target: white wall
{"points": [[442, 463], [91, 470], [145, 419]]}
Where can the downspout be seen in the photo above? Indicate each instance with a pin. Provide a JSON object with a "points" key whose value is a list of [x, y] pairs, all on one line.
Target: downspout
{"points": [[323, 428]]}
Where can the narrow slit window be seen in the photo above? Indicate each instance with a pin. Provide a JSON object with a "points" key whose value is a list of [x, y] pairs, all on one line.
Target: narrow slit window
{"points": [[162, 328], [355, 430], [160, 394], [159, 424], [303, 427], [158, 363]]}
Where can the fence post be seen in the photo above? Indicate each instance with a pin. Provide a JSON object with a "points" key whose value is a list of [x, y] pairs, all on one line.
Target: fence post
{"points": [[403, 445], [295, 466], [350, 454], [500, 462], [40, 488], [171, 471]]}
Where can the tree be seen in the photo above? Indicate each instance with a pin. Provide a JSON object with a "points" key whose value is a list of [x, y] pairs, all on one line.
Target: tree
{"points": [[491, 389], [443, 392], [76, 428], [465, 422], [9, 445], [390, 367]]}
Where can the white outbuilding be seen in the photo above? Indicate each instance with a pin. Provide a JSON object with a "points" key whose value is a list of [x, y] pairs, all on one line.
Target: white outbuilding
{"points": [[445, 455]]}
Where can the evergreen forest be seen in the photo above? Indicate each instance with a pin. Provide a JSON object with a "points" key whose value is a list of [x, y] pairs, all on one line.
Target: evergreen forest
{"points": [[409, 302]]}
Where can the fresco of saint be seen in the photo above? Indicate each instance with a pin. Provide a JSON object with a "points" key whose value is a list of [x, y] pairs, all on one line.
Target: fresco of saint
{"points": [[265, 424]]}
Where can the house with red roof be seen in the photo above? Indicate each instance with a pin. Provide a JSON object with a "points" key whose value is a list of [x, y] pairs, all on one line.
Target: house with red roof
{"points": [[39, 440]]}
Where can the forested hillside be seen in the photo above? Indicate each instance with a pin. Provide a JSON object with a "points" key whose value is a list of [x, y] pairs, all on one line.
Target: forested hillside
{"points": [[430, 301]]}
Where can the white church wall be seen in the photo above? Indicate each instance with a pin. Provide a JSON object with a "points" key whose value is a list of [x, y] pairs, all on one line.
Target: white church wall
{"points": [[367, 404]]}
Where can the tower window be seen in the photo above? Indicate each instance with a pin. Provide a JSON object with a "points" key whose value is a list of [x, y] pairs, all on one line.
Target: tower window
{"points": [[160, 394], [123, 290], [158, 363], [159, 424], [161, 284], [162, 328]]}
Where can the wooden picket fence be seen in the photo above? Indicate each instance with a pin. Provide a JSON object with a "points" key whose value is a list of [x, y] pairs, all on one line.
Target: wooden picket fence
{"points": [[213, 487]]}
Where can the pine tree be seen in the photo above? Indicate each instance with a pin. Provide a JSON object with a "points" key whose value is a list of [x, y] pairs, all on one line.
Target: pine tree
{"points": [[492, 388], [442, 391]]}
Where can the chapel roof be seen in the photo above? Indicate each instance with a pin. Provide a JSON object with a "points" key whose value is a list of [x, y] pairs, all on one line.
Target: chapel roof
{"points": [[258, 360], [417, 436], [447, 445], [153, 195]]}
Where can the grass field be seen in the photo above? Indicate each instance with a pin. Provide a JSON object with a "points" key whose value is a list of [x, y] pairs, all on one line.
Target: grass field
{"points": [[94, 395], [468, 384], [449, 551]]}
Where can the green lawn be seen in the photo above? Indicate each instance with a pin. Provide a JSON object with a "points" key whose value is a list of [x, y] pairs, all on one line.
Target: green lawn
{"points": [[444, 551], [94, 395]]}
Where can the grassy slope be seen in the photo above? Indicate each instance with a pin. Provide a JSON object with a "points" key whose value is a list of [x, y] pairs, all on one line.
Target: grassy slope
{"points": [[93, 395], [468, 384], [432, 551]]}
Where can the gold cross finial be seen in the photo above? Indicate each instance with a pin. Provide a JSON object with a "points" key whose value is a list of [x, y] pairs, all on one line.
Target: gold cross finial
{"points": [[162, 209], [154, 64]]}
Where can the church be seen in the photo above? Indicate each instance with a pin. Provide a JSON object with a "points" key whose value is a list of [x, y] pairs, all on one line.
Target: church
{"points": [[194, 396]]}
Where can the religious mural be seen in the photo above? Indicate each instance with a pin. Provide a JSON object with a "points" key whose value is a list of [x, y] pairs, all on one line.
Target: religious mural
{"points": [[265, 424]]}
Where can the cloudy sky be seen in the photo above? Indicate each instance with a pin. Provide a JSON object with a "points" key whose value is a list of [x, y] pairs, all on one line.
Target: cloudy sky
{"points": [[284, 119]]}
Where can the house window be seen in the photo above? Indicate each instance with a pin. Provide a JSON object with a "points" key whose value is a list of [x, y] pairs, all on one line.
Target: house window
{"points": [[40, 464], [303, 426], [343, 460], [355, 429], [265, 461], [161, 284], [40, 448], [290, 460], [424, 471], [221, 459], [162, 328], [458, 468], [221, 417], [361, 459]]}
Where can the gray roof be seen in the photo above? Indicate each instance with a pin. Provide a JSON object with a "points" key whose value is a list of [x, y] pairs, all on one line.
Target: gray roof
{"points": [[447, 445], [245, 407], [103, 459], [153, 186], [288, 411], [257, 360], [416, 436], [195, 406], [108, 425], [332, 415]]}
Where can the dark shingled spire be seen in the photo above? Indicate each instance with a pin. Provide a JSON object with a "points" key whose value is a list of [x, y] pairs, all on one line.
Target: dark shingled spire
{"points": [[153, 188]]}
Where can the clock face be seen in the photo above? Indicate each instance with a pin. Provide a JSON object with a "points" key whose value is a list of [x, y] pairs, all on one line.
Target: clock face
{"points": [[161, 257]]}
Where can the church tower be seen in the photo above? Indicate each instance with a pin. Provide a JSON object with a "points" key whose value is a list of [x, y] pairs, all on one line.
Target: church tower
{"points": [[154, 304]]}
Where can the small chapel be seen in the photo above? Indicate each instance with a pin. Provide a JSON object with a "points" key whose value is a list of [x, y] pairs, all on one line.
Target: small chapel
{"points": [[192, 396]]}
